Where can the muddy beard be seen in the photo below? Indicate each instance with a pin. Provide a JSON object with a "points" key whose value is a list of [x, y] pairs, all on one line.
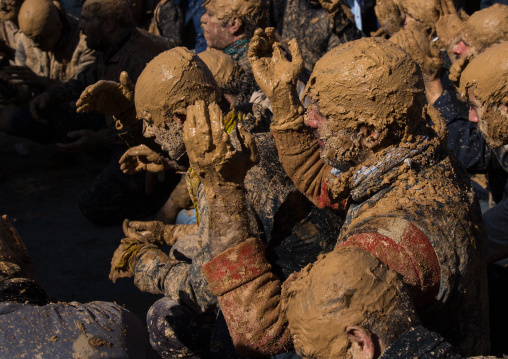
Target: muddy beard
{"points": [[343, 150], [170, 138]]}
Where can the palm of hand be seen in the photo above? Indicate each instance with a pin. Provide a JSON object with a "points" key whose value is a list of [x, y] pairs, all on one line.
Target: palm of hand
{"points": [[108, 97], [210, 152], [272, 71]]}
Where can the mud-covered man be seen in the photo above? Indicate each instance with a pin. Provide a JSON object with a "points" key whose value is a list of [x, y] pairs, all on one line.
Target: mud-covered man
{"points": [[292, 225], [49, 51], [407, 202], [484, 85]]}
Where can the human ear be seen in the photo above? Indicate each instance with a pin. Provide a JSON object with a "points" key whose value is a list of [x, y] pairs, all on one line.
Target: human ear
{"points": [[362, 342], [370, 138], [235, 26]]}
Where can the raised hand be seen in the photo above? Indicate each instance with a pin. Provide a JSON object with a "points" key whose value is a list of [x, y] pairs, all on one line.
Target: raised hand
{"points": [[211, 155], [108, 97], [449, 24], [417, 42], [274, 74]]}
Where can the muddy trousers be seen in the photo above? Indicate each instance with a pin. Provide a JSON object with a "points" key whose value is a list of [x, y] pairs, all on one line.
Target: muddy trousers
{"points": [[177, 331]]}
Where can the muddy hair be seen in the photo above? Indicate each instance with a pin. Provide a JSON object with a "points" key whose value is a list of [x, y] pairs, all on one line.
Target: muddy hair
{"points": [[123, 16], [402, 317], [251, 21]]}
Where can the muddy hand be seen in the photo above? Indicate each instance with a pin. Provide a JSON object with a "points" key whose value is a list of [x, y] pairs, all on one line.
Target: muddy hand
{"points": [[141, 158], [449, 24], [415, 41], [274, 74], [330, 5], [210, 152], [153, 232], [457, 68], [108, 97], [120, 263]]}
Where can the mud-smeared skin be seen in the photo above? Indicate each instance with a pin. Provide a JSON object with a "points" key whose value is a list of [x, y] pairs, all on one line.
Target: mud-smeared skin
{"points": [[227, 9], [342, 288], [425, 12], [389, 15], [417, 42], [35, 16], [486, 74], [224, 69], [486, 27], [171, 82]]}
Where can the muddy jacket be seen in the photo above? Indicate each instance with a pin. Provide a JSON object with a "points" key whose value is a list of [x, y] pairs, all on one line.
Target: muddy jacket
{"points": [[130, 55], [316, 31], [74, 56], [416, 212], [296, 233], [419, 342]]}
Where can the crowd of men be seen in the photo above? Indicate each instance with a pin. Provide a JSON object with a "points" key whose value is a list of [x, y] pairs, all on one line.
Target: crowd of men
{"points": [[295, 187]]}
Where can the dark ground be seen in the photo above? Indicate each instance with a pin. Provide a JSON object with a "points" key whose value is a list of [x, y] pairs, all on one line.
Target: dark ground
{"points": [[70, 254]]}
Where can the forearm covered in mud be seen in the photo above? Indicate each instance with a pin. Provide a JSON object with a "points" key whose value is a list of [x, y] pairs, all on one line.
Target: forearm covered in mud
{"points": [[155, 272], [249, 296], [241, 277], [299, 154]]}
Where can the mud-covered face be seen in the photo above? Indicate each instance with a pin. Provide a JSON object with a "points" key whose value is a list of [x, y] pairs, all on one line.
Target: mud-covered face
{"points": [[9, 9], [459, 50], [492, 119], [340, 146], [169, 136], [216, 32]]}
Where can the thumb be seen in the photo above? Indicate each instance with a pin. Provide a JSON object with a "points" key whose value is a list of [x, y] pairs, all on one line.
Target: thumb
{"points": [[127, 86]]}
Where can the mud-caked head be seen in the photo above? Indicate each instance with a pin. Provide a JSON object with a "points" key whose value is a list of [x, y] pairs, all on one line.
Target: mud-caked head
{"points": [[484, 84], [227, 20], [40, 21], [170, 83], [485, 28], [367, 85], [224, 69], [9, 9], [344, 291]]}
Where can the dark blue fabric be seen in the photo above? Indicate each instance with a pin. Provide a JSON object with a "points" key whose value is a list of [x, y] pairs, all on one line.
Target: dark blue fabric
{"points": [[193, 10], [464, 139], [421, 343]]}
